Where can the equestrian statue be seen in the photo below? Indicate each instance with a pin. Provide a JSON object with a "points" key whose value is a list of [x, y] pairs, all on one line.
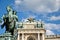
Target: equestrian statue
{"points": [[10, 20]]}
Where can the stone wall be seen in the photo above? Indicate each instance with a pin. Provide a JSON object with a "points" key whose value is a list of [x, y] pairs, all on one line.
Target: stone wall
{"points": [[52, 37]]}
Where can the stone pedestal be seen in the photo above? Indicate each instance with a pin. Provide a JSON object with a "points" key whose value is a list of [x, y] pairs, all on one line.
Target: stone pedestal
{"points": [[6, 36]]}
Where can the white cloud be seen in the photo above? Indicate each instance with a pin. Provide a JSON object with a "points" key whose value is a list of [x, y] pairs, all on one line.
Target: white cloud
{"points": [[39, 5], [51, 26], [17, 2], [55, 18], [49, 32], [24, 20]]}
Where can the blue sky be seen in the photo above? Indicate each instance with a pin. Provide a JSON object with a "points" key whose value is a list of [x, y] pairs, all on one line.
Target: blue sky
{"points": [[46, 10]]}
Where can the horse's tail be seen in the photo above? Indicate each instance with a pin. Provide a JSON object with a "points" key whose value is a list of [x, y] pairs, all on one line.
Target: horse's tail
{"points": [[2, 25]]}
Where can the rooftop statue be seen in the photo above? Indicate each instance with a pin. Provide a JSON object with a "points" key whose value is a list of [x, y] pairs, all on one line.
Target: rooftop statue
{"points": [[31, 20], [42, 24], [10, 20], [38, 25]]}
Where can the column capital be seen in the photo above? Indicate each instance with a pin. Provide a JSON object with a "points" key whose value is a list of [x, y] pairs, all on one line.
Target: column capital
{"points": [[38, 33], [22, 33]]}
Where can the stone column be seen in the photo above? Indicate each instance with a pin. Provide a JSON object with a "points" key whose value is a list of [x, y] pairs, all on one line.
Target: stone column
{"points": [[43, 37], [22, 36], [18, 37], [38, 36]]}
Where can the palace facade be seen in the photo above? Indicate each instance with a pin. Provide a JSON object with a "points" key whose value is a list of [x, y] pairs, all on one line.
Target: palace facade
{"points": [[33, 30]]}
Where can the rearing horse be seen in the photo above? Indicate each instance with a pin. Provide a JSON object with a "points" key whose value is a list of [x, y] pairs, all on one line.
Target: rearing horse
{"points": [[10, 20], [7, 25]]}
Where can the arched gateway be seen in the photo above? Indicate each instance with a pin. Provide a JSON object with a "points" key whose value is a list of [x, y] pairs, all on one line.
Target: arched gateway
{"points": [[31, 38]]}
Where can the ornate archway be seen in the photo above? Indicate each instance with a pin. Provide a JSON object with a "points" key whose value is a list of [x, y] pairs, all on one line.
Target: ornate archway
{"points": [[31, 38]]}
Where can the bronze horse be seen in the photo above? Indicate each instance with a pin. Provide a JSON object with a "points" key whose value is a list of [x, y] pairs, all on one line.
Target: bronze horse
{"points": [[7, 25], [10, 20]]}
